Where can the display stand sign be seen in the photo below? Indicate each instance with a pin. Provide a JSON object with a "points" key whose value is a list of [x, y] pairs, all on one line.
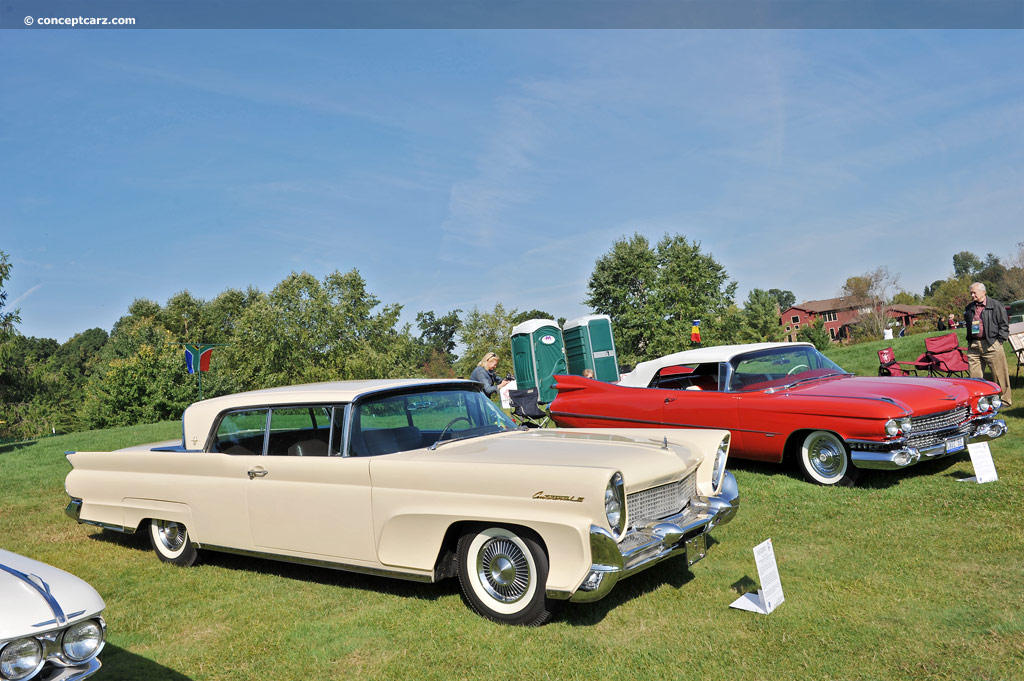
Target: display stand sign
{"points": [[770, 595], [981, 459], [506, 401]]}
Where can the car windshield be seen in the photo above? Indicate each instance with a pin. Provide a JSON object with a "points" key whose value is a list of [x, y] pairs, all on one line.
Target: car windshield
{"points": [[780, 367], [416, 419]]}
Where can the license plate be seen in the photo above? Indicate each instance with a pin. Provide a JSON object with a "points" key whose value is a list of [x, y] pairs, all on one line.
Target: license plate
{"points": [[696, 549], [954, 444]]}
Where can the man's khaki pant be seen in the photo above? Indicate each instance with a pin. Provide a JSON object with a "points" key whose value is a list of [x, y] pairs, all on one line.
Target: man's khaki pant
{"points": [[981, 353]]}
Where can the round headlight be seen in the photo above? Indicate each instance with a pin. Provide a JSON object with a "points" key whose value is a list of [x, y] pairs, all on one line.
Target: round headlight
{"points": [[615, 503], [984, 404], [996, 402], [20, 659], [906, 425], [891, 428], [82, 640]]}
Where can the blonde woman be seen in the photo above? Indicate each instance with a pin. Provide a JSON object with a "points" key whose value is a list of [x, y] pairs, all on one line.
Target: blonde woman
{"points": [[485, 376]]}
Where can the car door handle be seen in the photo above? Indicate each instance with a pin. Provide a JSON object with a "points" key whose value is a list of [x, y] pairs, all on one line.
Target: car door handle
{"points": [[257, 473], [669, 399]]}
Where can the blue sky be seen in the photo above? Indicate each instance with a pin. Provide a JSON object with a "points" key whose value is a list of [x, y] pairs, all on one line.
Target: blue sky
{"points": [[456, 169]]}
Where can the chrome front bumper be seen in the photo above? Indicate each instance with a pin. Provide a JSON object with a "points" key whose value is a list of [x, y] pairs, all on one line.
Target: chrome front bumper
{"points": [[902, 455], [642, 547]]}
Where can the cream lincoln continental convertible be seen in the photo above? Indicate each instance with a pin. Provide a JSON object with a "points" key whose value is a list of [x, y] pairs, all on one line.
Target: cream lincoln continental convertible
{"points": [[419, 480]]}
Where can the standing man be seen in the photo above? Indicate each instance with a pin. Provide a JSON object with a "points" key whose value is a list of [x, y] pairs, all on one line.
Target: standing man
{"points": [[987, 329]]}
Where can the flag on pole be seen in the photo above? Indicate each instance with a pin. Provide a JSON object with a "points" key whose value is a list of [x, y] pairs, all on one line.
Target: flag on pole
{"points": [[197, 357], [695, 331]]}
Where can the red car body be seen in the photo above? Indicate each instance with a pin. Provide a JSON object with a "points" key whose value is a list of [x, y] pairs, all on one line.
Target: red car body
{"points": [[787, 398]]}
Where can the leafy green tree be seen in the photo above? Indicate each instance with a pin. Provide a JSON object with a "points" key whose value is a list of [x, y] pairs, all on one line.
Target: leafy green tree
{"points": [[8, 319], [966, 264], [816, 334], [438, 336], [785, 299], [484, 332], [306, 331], [951, 296], [906, 298], [521, 317], [653, 294], [759, 320]]}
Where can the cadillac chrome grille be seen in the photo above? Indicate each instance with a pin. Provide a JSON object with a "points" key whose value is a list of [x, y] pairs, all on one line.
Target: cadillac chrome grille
{"points": [[933, 429], [946, 419], [660, 502]]}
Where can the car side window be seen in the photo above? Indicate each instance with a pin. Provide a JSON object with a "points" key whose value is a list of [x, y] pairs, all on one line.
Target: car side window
{"points": [[299, 431], [687, 377], [241, 432]]}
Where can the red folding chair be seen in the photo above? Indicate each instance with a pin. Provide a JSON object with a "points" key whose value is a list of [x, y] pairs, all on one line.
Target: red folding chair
{"points": [[888, 366], [946, 356]]}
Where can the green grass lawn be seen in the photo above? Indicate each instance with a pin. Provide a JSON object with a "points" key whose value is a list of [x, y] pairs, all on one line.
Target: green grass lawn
{"points": [[910, 576]]}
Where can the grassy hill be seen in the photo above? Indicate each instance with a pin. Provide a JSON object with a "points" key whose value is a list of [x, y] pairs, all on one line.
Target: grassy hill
{"points": [[911, 576]]}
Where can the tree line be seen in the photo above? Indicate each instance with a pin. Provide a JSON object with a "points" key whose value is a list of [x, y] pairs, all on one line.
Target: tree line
{"points": [[308, 329]]}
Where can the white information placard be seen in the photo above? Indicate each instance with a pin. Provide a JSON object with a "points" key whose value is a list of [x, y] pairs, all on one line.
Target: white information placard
{"points": [[981, 459], [506, 402], [770, 595]]}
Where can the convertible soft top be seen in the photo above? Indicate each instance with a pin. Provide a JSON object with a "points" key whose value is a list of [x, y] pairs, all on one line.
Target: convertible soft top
{"points": [[641, 376]]}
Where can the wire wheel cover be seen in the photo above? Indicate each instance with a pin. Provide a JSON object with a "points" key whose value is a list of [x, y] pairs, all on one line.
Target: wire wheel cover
{"points": [[503, 569]]}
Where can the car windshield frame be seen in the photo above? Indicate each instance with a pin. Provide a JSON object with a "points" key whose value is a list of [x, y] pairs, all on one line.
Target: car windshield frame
{"points": [[418, 416], [738, 381]]}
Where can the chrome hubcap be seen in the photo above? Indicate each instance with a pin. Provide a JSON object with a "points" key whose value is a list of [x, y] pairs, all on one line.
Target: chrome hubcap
{"points": [[503, 569], [172, 535], [826, 457]]}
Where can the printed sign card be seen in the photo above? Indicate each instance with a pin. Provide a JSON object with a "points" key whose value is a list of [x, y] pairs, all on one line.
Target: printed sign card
{"points": [[981, 459], [770, 595]]}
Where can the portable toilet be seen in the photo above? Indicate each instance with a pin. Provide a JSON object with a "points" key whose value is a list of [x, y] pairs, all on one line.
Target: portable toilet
{"points": [[538, 353], [590, 344]]}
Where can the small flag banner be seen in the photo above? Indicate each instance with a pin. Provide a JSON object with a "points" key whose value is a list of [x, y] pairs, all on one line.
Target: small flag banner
{"points": [[695, 331], [197, 357]]}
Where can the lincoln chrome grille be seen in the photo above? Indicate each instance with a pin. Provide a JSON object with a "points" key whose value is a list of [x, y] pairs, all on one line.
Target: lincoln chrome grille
{"points": [[934, 428], [660, 502]]}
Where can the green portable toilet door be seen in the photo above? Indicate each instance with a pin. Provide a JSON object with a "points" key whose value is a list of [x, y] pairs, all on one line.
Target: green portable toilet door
{"points": [[549, 356], [602, 344], [522, 361]]}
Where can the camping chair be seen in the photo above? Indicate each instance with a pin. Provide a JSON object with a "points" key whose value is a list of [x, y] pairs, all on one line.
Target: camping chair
{"points": [[945, 356], [1017, 343], [888, 366], [525, 411]]}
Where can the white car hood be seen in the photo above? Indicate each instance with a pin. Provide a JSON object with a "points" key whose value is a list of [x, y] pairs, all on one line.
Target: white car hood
{"points": [[37, 597]]}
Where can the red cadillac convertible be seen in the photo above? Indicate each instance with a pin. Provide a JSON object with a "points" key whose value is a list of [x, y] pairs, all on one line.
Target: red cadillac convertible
{"points": [[787, 400]]}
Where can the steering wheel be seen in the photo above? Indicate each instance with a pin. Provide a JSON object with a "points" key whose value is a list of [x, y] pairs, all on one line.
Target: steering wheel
{"points": [[798, 366], [446, 429]]}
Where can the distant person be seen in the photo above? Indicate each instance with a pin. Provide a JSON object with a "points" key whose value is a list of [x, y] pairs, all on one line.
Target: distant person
{"points": [[988, 328], [940, 325], [952, 321], [485, 376], [588, 373]]}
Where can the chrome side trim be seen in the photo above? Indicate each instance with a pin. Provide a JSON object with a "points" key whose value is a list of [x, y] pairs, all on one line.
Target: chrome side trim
{"points": [[344, 567], [654, 542], [661, 424]]}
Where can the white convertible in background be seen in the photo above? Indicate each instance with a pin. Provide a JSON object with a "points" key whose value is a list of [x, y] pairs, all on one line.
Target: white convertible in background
{"points": [[419, 480], [50, 622]]}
